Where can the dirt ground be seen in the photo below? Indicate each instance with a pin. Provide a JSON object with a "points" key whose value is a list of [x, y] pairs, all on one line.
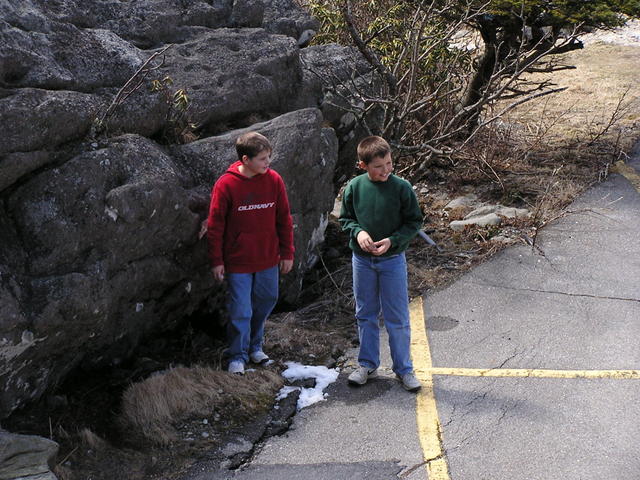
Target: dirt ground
{"points": [[540, 158]]}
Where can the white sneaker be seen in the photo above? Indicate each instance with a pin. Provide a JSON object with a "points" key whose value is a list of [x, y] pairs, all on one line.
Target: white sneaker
{"points": [[361, 374], [236, 366], [410, 382], [259, 357]]}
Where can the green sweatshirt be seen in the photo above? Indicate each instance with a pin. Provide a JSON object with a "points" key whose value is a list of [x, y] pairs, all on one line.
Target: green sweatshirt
{"points": [[382, 209]]}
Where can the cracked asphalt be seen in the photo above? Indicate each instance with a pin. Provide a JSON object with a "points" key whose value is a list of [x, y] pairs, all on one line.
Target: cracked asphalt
{"points": [[572, 304]]}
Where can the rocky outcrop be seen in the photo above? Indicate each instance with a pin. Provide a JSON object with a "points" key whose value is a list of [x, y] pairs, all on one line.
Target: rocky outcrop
{"points": [[99, 243], [107, 246], [240, 73]]}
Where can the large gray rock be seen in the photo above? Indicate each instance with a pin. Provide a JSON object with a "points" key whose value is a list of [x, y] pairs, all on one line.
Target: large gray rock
{"points": [[111, 238], [148, 23], [112, 250], [34, 119], [145, 23], [26, 457], [232, 73], [287, 17], [228, 75], [66, 58], [99, 244]]}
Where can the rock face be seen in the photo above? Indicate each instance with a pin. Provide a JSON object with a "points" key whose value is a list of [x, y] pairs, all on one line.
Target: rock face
{"points": [[99, 243]]}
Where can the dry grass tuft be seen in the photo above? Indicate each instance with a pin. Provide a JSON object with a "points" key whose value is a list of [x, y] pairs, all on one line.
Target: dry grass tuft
{"points": [[316, 334], [151, 408]]}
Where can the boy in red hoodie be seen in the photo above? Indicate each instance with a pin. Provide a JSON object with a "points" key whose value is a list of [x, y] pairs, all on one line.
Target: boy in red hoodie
{"points": [[250, 234]]}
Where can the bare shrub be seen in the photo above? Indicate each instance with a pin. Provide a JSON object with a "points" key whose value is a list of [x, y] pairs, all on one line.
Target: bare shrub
{"points": [[152, 408]]}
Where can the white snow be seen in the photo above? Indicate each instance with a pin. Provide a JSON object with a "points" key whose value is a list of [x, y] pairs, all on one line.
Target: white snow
{"points": [[628, 35], [308, 396]]}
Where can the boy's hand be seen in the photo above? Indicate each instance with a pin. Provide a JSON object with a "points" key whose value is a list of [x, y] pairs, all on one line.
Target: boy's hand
{"points": [[365, 241], [381, 246], [286, 266], [218, 272]]}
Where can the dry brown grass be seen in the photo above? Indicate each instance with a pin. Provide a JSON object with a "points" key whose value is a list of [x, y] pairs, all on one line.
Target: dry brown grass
{"points": [[543, 154], [151, 408], [317, 334], [605, 75]]}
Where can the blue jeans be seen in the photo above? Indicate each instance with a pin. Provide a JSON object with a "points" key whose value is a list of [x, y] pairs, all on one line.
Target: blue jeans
{"points": [[252, 297], [380, 285]]}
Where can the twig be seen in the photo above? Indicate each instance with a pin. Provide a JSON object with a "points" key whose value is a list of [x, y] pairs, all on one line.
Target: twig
{"points": [[331, 276], [617, 111], [67, 456], [538, 210], [129, 87]]}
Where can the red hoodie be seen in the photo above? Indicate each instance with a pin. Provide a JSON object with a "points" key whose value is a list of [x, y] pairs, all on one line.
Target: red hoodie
{"points": [[249, 227]]}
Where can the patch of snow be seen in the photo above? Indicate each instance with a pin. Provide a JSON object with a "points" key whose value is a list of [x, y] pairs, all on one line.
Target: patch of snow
{"points": [[308, 396], [628, 35], [285, 391]]}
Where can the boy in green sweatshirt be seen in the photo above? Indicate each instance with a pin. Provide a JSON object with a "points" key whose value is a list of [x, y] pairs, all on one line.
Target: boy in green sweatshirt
{"points": [[381, 214]]}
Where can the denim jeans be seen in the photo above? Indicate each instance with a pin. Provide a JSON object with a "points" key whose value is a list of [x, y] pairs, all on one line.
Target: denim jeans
{"points": [[380, 285], [251, 299]]}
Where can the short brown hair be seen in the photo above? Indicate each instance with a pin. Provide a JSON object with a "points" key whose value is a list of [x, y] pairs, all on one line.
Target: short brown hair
{"points": [[372, 147], [251, 144]]}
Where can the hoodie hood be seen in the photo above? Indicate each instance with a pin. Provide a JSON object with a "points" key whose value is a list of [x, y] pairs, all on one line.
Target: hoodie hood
{"points": [[234, 169]]}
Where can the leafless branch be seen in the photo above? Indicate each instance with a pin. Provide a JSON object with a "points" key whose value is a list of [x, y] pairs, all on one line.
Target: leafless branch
{"points": [[618, 111], [133, 84]]}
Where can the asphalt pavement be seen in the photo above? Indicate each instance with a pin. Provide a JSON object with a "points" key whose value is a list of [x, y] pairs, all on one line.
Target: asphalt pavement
{"points": [[532, 368]]}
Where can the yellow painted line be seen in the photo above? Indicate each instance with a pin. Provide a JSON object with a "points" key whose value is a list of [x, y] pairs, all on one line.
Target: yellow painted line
{"points": [[429, 428], [532, 373], [627, 172]]}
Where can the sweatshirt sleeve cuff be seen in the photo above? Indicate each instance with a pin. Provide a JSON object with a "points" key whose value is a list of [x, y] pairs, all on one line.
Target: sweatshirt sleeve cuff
{"points": [[215, 261]]}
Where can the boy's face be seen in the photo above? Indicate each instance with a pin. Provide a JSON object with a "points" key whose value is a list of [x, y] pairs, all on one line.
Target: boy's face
{"points": [[379, 168], [256, 165]]}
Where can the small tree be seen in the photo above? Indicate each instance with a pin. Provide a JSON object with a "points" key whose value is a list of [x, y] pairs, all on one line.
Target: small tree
{"points": [[521, 36], [441, 63]]}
